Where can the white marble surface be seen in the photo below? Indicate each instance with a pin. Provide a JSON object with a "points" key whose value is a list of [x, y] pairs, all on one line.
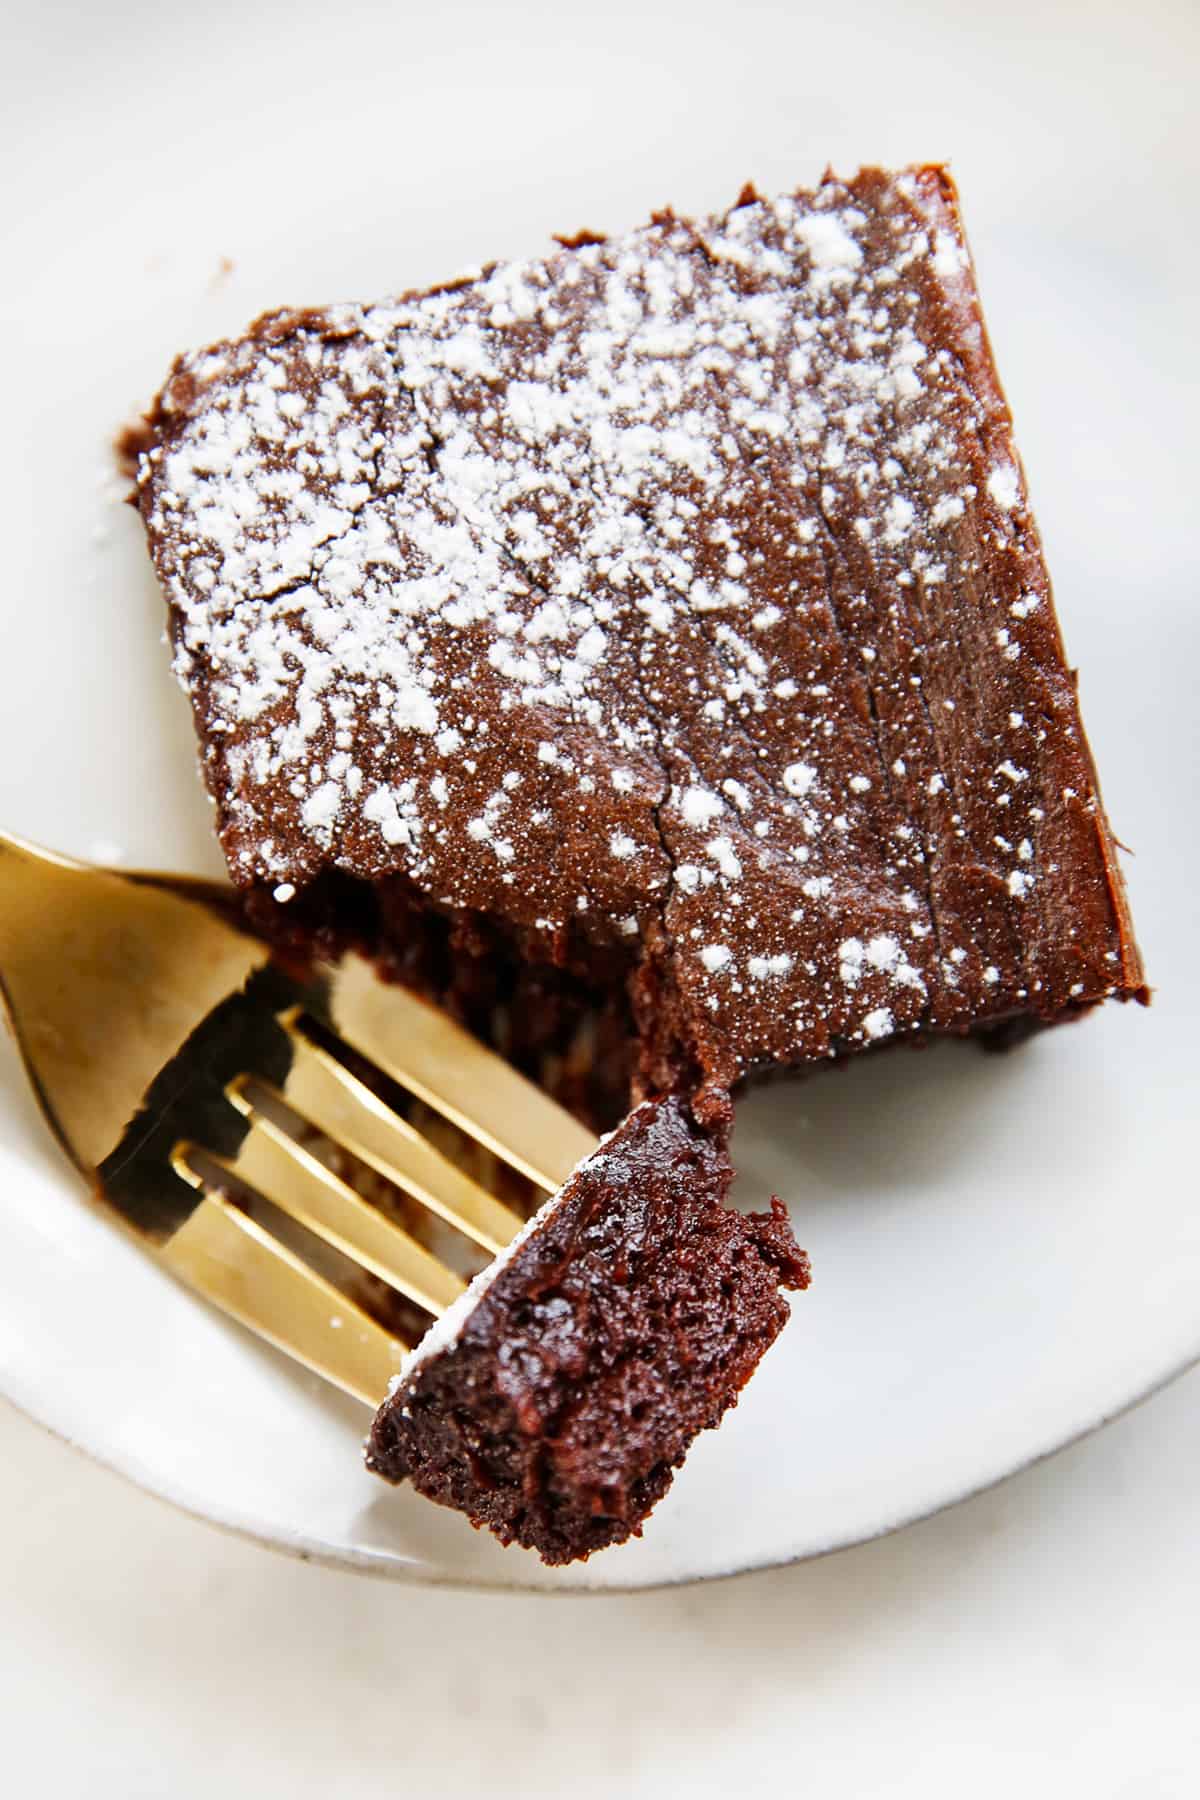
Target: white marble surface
{"points": [[1040, 1639]]}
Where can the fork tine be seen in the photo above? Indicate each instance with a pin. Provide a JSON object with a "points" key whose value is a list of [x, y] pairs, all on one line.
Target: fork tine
{"points": [[329, 1097], [288, 1175], [438, 1061], [230, 1260]]}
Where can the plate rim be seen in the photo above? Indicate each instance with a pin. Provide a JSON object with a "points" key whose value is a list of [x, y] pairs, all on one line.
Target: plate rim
{"points": [[381, 1567], [892, 1505]]}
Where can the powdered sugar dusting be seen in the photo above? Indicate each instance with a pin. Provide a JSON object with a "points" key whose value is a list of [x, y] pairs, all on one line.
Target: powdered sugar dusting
{"points": [[609, 590]]}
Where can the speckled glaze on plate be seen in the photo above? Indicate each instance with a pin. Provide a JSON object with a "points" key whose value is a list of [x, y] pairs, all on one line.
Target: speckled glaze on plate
{"points": [[1006, 1251]]}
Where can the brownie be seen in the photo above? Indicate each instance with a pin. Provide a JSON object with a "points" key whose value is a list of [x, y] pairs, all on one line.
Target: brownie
{"points": [[669, 606], [555, 1399]]}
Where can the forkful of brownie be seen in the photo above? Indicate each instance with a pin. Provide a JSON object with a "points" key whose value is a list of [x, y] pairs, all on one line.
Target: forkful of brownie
{"points": [[200, 1083]]}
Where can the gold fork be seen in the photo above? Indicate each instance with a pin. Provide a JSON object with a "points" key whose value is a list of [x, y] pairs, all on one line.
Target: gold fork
{"points": [[161, 1038]]}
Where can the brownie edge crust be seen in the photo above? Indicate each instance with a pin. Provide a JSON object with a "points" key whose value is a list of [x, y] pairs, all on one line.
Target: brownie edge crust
{"points": [[555, 1400]]}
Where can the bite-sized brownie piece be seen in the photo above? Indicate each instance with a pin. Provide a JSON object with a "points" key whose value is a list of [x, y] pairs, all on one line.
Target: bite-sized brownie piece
{"points": [[555, 1399], [675, 596]]}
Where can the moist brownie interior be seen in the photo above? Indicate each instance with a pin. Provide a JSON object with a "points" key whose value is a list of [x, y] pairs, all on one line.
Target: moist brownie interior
{"points": [[667, 612], [554, 1401]]}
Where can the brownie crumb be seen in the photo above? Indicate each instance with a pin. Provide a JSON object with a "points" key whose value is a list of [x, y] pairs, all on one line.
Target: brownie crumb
{"points": [[556, 1400], [577, 240], [130, 444]]}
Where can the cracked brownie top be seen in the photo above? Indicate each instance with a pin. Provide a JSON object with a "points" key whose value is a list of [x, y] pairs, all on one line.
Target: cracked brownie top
{"points": [[679, 592]]}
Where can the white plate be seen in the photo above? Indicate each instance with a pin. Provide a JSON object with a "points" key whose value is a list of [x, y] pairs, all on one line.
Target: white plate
{"points": [[1007, 1250]]}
